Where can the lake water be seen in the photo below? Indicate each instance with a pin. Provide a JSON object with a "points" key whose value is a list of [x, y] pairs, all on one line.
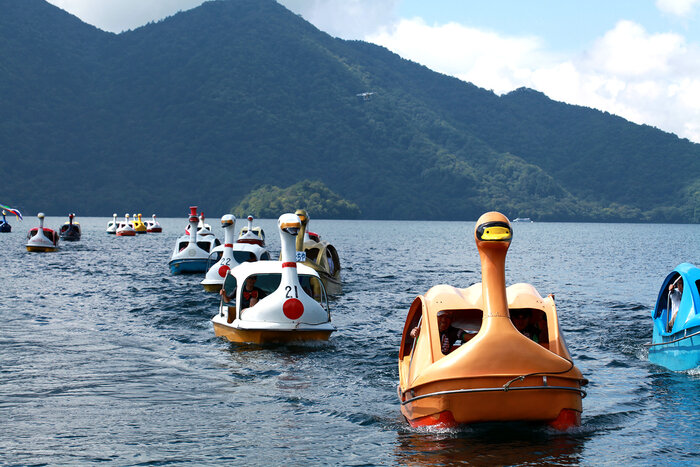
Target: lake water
{"points": [[107, 358]]}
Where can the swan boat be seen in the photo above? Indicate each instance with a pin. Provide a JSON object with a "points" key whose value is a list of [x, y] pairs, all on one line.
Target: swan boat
{"points": [[287, 311], [318, 255], [5, 227], [230, 254], [153, 226], [70, 231], [41, 239], [112, 225], [125, 229], [138, 225], [676, 339], [192, 250], [250, 234], [497, 374]]}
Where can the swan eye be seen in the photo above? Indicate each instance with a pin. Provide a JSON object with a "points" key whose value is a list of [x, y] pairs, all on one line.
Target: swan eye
{"points": [[494, 231]]}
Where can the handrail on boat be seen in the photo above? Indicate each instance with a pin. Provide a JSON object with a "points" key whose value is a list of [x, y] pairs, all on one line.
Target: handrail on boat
{"points": [[503, 389], [675, 340]]}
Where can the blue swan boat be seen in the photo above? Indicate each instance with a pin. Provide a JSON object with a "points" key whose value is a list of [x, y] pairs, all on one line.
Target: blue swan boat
{"points": [[676, 338], [4, 226]]}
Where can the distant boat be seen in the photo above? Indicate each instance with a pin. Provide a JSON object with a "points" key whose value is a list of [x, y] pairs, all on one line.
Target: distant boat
{"points": [[112, 225], [153, 226], [4, 225], [70, 231], [522, 219], [42, 239]]}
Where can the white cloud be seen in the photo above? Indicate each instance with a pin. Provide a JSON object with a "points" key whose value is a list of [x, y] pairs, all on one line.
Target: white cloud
{"points": [[348, 19], [120, 15], [474, 55], [643, 77], [677, 7]]}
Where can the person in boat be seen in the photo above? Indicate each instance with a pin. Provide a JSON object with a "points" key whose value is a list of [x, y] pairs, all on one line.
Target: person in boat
{"points": [[448, 333], [251, 294], [675, 292], [521, 321]]}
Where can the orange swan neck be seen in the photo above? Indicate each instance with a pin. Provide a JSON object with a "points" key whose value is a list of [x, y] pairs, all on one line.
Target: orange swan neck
{"points": [[493, 235]]}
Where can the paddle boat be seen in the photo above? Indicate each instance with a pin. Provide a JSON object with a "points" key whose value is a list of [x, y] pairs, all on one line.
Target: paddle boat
{"points": [[125, 229], [466, 358], [70, 231], [192, 250], [318, 255], [250, 234], [5, 227], [138, 225], [41, 239], [283, 295], [675, 340], [229, 255], [153, 226], [112, 225]]}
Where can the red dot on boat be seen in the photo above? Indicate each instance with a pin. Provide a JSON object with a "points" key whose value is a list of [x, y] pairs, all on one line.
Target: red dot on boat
{"points": [[293, 308], [223, 270]]}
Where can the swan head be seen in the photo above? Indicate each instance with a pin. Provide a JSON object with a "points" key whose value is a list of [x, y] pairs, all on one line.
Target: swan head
{"points": [[289, 223], [493, 230], [303, 216], [228, 220]]}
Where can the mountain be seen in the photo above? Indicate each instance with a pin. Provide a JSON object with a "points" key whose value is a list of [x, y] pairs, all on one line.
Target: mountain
{"points": [[212, 104]]}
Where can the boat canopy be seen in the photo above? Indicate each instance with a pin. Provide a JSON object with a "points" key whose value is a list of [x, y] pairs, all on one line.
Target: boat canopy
{"points": [[687, 316]]}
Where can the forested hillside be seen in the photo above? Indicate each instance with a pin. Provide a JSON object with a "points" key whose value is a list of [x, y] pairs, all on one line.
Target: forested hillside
{"points": [[214, 104]]}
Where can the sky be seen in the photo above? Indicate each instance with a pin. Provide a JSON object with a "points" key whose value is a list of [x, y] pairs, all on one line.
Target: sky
{"points": [[639, 59]]}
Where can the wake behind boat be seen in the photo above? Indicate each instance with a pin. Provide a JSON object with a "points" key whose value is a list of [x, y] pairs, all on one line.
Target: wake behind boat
{"points": [[512, 364], [676, 323]]}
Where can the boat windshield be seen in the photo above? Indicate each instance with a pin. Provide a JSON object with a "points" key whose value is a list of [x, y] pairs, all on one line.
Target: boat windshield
{"points": [[269, 282]]}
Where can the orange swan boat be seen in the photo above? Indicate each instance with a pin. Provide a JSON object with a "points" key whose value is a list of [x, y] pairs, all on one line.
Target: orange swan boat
{"points": [[496, 373]]}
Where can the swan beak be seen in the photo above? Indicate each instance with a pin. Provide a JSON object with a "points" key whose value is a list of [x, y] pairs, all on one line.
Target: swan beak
{"points": [[291, 228], [496, 231]]}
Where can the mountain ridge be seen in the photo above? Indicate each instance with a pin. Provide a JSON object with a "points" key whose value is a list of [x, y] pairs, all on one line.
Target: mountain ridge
{"points": [[210, 104]]}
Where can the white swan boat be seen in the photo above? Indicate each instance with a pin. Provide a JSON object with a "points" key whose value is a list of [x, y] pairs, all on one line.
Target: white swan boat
{"points": [[285, 310], [250, 234], [112, 225], [125, 228], [41, 239], [153, 226], [230, 255], [192, 250]]}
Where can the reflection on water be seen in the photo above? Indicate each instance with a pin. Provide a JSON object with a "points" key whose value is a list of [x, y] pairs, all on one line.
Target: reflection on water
{"points": [[490, 444]]}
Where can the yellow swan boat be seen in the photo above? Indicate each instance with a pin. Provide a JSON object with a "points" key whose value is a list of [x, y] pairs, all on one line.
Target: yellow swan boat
{"points": [[464, 360]]}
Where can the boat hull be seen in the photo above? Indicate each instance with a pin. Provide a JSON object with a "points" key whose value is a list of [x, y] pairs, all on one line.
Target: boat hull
{"points": [[41, 249], [213, 287], [544, 399], [266, 336], [678, 355], [188, 266]]}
